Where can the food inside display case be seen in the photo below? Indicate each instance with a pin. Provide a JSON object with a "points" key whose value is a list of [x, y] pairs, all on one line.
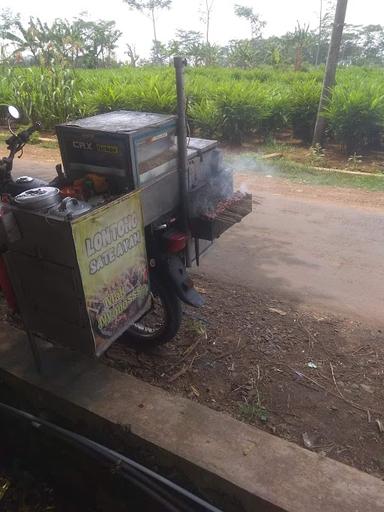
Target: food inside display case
{"points": [[150, 147], [121, 145]]}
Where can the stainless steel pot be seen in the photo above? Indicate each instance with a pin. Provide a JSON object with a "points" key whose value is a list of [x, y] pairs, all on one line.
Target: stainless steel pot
{"points": [[40, 198]]}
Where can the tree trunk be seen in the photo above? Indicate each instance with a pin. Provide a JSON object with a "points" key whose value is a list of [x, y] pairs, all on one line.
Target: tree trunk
{"points": [[207, 31], [299, 58], [320, 33], [208, 10], [155, 46], [330, 70], [154, 25]]}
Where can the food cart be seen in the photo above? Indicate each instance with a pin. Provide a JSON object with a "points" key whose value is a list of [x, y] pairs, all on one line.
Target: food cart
{"points": [[135, 203]]}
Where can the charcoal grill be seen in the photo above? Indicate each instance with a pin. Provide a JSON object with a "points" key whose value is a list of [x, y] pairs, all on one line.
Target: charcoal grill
{"points": [[211, 225]]}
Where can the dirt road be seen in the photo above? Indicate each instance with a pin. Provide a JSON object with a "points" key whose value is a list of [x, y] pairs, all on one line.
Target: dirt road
{"points": [[319, 246], [316, 251]]}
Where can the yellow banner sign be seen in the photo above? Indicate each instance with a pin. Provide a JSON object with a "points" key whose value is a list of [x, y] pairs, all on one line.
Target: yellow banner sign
{"points": [[110, 248]]}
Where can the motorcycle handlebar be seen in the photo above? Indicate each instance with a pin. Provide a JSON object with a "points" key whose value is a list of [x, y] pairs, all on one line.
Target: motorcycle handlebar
{"points": [[25, 134], [15, 143], [18, 140]]}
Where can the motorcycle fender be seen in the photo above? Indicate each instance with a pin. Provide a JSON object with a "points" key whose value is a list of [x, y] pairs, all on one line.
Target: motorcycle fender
{"points": [[183, 283]]}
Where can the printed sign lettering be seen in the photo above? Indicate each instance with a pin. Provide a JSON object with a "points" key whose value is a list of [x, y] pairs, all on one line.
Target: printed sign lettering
{"points": [[110, 247]]}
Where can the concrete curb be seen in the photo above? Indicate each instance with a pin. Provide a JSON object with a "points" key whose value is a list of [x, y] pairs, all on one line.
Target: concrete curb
{"points": [[236, 466]]}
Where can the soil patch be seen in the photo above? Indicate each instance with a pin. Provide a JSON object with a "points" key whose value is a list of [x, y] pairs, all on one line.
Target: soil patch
{"points": [[331, 156], [311, 378], [358, 198]]}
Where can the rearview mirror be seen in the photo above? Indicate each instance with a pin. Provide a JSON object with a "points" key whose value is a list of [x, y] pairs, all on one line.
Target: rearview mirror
{"points": [[13, 112]]}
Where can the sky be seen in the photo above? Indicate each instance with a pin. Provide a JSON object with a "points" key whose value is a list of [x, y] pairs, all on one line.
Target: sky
{"points": [[280, 16]]}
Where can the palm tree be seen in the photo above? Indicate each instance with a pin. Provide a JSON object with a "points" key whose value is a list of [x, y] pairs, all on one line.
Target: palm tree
{"points": [[301, 39]]}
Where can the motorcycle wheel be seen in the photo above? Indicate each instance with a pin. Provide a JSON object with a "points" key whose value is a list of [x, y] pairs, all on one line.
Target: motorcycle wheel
{"points": [[161, 323]]}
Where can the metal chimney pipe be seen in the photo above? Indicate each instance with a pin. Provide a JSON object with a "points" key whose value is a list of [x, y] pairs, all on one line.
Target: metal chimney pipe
{"points": [[180, 63]]}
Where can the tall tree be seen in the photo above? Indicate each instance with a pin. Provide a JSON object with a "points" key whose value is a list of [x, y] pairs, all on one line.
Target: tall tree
{"points": [[301, 38], [363, 45], [36, 38], [206, 17], [257, 24], [188, 43], [150, 8], [81, 41], [320, 33], [132, 54], [241, 53], [8, 20], [330, 70], [323, 34]]}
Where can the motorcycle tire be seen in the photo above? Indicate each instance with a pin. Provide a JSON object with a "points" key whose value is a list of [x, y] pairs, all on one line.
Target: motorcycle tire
{"points": [[142, 337]]}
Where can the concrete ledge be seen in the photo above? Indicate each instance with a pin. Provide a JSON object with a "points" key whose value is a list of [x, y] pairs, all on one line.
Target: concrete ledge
{"points": [[236, 466]]}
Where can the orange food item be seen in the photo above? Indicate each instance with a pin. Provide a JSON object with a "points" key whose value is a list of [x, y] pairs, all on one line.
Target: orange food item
{"points": [[73, 191], [100, 183]]}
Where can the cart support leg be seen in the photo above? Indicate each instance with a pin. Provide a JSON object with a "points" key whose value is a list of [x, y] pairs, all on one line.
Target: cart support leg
{"points": [[180, 63], [35, 352], [197, 251]]}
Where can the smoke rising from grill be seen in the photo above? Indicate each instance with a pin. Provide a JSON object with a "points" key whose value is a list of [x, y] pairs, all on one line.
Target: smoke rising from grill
{"points": [[219, 186], [251, 163], [243, 188]]}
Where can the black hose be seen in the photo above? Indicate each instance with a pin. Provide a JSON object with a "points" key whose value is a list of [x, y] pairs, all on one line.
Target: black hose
{"points": [[170, 495]]}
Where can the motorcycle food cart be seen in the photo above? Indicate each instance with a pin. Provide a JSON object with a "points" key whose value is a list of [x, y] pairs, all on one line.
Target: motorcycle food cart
{"points": [[101, 251]]}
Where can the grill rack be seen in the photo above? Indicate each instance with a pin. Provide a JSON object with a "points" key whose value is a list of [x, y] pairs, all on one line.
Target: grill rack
{"points": [[211, 227]]}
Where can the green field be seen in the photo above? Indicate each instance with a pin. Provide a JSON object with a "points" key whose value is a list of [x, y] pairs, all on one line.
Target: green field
{"points": [[225, 103]]}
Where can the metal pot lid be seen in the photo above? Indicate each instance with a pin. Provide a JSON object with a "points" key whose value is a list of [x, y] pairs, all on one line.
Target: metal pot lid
{"points": [[24, 179], [40, 197], [70, 207]]}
